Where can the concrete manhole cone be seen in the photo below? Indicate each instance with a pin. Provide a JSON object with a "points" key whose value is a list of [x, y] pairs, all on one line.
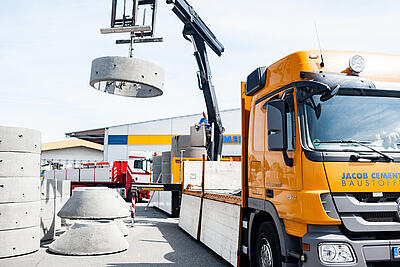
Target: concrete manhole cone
{"points": [[93, 203], [87, 238], [126, 76], [122, 226]]}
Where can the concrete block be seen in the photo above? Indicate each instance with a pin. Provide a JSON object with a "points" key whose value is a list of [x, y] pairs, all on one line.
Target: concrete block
{"points": [[14, 164], [125, 76], [156, 176], [189, 214], [195, 152], [90, 238], [47, 229], [198, 136], [94, 203], [19, 215], [47, 208], [166, 156], [19, 242], [157, 160], [59, 174], [59, 204], [16, 139], [122, 226], [48, 189], [88, 175], [58, 187], [66, 187], [222, 175], [64, 199], [19, 189], [192, 173], [181, 141], [166, 178], [156, 168], [220, 228], [165, 201], [166, 167]]}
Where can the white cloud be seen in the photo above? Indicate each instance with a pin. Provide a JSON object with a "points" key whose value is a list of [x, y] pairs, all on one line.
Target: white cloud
{"points": [[47, 47]]}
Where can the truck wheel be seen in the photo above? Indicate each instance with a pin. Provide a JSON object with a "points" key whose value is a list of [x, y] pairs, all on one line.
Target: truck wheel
{"points": [[268, 252]]}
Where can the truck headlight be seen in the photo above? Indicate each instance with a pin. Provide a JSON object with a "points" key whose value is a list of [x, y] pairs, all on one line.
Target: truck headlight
{"points": [[336, 253]]}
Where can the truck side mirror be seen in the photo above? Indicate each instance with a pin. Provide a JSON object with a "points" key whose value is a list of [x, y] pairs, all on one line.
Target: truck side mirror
{"points": [[277, 132], [276, 125]]}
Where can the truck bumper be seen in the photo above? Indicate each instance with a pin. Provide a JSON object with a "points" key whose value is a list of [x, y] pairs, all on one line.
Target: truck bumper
{"points": [[367, 252]]}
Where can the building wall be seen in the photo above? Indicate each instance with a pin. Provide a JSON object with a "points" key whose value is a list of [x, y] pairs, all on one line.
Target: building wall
{"points": [[152, 135], [69, 156]]}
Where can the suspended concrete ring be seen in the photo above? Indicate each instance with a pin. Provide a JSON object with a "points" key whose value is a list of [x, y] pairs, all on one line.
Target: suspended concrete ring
{"points": [[125, 76]]}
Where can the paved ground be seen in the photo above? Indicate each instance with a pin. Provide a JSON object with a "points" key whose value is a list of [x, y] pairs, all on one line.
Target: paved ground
{"points": [[156, 240]]}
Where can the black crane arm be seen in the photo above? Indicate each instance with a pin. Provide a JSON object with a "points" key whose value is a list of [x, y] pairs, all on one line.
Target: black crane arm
{"points": [[196, 31]]}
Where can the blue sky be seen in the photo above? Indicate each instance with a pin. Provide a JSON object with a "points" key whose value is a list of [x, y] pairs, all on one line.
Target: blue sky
{"points": [[47, 46]]}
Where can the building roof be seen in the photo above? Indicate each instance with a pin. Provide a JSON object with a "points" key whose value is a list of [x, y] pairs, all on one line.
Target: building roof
{"points": [[71, 144], [97, 135]]}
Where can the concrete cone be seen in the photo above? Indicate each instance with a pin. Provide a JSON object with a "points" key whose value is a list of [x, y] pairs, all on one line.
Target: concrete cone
{"points": [[122, 201], [93, 203], [90, 238], [122, 227]]}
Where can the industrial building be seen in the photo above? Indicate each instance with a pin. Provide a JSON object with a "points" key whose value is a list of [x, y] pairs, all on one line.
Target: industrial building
{"points": [[70, 153], [156, 135]]}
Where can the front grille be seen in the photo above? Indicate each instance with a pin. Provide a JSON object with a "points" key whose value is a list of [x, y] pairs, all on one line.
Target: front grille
{"points": [[362, 213], [379, 216], [368, 198]]}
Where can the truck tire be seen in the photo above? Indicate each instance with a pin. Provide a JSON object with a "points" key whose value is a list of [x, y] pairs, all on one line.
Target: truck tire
{"points": [[268, 251]]}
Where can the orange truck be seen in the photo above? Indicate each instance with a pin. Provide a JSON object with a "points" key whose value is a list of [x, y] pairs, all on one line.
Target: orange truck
{"points": [[319, 180]]}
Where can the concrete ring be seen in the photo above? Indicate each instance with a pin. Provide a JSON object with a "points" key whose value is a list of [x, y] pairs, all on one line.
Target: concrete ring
{"points": [[130, 77]]}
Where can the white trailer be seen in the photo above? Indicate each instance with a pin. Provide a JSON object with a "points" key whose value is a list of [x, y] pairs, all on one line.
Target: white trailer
{"points": [[211, 206]]}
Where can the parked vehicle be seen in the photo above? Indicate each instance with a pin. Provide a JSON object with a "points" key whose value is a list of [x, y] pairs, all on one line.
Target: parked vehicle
{"points": [[116, 174]]}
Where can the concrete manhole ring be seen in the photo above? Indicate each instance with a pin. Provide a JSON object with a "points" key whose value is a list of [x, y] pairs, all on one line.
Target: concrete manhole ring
{"points": [[124, 76]]}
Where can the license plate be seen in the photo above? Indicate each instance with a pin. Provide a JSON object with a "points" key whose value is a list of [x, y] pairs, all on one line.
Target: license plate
{"points": [[396, 252]]}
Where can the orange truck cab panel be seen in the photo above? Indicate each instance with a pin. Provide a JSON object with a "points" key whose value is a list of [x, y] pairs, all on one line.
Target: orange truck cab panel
{"points": [[321, 152]]}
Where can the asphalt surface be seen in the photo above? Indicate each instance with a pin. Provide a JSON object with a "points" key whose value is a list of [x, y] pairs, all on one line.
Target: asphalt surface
{"points": [[155, 240]]}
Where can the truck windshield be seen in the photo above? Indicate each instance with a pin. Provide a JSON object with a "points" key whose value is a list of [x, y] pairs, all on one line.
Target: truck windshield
{"points": [[369, 116]]}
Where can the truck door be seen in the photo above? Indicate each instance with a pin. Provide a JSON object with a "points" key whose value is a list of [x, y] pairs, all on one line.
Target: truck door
{"points": [[282, 169], [256, 152]]}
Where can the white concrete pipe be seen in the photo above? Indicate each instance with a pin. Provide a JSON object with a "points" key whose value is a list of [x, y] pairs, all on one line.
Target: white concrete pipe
{"points": [[90, 238], [19, 242], [19, 189], [94, 203], [19, 215], [125, 76], [15, 139], [15, 164]]}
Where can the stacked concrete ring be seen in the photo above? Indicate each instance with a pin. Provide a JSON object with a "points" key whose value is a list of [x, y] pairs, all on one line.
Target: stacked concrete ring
{"points": [[19, 191]]}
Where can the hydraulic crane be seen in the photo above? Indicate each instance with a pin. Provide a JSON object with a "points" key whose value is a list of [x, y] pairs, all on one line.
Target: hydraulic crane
{"points": [[197, 32]]}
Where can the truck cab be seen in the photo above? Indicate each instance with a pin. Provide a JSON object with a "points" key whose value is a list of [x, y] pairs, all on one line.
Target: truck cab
{"points": [[140, 171], [321, 153]]}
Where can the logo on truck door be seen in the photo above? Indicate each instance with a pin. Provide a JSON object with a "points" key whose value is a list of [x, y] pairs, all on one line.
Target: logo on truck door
{"points": [[380, 179]]}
